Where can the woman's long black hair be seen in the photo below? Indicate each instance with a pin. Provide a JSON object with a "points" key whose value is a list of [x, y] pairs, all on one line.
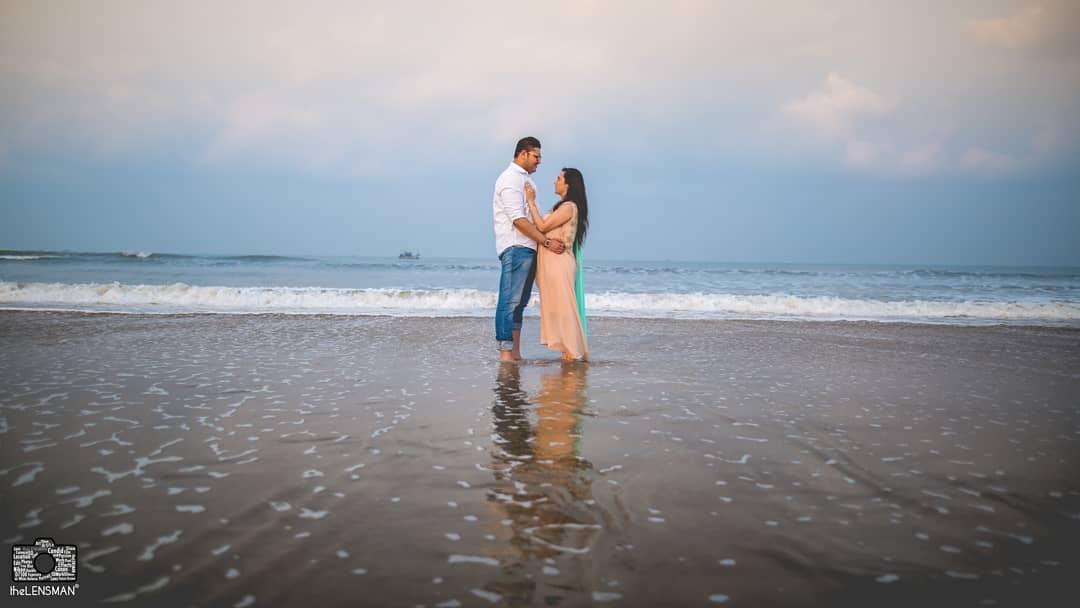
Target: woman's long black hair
{"points": [[575, 193]]}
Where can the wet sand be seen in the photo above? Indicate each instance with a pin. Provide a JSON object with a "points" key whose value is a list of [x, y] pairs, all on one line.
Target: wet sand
{"points": [[329, 461]]}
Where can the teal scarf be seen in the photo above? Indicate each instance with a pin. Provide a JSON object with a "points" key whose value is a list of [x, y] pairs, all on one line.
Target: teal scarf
{"points": [[579, 290]]}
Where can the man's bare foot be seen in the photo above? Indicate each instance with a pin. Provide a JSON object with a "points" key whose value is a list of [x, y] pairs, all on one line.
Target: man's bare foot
{"points": [[568, 357], [506, 356], [515, 351]]}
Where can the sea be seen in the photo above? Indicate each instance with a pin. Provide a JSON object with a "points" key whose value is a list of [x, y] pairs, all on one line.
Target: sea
{"points": [[143, 282]]}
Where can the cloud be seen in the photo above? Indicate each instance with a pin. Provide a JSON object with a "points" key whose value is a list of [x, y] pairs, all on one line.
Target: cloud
{"points": [[1052, 25], [923, 159], [317, 87], [269, 126], [833, 112], [905, 142], [980, 159], [337, 86], [833, 108], [863, 154], [1024, 29]]}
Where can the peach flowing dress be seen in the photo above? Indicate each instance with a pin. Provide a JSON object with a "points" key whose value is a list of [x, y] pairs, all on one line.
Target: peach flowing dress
{"points": [[560, 322]]}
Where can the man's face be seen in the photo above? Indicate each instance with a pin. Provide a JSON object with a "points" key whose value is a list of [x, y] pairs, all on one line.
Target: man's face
{"points": [[530, 160]]}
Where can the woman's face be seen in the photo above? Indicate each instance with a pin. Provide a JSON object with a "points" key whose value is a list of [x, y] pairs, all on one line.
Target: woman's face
{"points": [[560, 184]]}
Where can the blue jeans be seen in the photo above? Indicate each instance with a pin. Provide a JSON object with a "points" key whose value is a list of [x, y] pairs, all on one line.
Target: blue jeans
{"points": [[515, 287]]}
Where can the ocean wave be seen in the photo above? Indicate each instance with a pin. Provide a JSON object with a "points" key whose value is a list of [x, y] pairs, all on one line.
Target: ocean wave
{"points": [[414, 265], [181, 297], [259, 258], [139, 255], [828, 308], [1048, 274], [25, 257]]}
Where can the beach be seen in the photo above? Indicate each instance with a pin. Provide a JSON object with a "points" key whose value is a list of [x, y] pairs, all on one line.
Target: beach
{"points": [[285, 460]]}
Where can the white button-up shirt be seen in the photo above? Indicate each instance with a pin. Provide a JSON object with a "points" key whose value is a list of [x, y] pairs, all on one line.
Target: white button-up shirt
{"points": [[509, 205]]}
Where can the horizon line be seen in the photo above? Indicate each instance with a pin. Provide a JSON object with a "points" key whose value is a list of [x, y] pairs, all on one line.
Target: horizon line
{"points": [[135, 251]]}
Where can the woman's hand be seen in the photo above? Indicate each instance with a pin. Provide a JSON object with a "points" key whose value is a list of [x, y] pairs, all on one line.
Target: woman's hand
{"points": [[530, 193]]}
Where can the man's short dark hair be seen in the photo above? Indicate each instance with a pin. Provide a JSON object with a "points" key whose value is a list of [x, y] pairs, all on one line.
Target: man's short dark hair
{"points": [[526, 143]]}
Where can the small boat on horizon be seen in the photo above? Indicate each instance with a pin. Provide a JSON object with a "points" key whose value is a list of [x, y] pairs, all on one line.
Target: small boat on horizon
{"points": [[409, 255]]}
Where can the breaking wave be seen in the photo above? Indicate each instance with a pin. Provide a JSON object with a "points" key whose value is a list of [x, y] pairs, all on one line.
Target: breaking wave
{"points": [[184, 298]]}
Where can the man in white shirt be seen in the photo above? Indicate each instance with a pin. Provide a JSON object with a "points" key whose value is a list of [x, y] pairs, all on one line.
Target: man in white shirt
{"points": [[515, 243]]}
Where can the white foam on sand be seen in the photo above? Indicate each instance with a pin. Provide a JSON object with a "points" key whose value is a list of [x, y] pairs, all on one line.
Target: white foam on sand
{"points": [[472, 559], [309, 514], [85, 501], [87, 560], [148, 552], [494, 598], [127, 597], [119, 510], [124, 528], [28, 476], [74, 520]]}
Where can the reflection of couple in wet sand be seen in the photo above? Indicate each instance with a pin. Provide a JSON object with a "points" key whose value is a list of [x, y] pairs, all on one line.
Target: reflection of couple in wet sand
{"points": [[519, 229], [543, 487]]}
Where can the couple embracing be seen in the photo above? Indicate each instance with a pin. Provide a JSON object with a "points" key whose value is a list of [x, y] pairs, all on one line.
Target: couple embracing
{"points": [[541, 248]]}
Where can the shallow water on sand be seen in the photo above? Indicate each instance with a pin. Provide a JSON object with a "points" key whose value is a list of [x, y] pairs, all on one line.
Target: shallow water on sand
{"points": [[275, 460]]}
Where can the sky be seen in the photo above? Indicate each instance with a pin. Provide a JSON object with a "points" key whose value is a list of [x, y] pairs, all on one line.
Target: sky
{"points": [[771, 131]]}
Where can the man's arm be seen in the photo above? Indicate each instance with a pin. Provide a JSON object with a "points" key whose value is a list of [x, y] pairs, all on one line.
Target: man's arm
{"points": [[513, 204], [526, 227]]}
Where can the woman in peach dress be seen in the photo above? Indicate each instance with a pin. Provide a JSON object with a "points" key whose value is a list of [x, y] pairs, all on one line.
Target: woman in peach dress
{"points": [[558, 276]]}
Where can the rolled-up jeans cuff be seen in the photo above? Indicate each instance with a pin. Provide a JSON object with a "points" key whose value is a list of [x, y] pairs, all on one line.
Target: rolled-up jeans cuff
{"points": [[506, 345]]}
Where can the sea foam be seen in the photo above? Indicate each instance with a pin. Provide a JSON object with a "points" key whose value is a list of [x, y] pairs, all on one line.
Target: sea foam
{"points": [[184, 298]]}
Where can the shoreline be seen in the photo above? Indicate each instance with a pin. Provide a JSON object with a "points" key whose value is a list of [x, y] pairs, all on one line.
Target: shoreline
{"points": [[534, 316]]}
